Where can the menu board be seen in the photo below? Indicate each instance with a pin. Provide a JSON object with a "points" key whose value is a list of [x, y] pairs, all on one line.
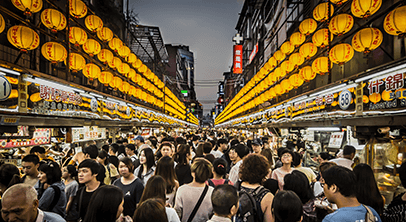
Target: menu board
{"points": [[40, 137], [336, 139], [88, 133]]}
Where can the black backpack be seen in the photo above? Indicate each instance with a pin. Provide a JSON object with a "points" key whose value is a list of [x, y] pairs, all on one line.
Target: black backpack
{"points": [[248, 210]]}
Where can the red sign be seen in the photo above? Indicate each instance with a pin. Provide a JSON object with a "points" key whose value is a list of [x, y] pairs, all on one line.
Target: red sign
{"points": [[40, 137], [237, 62], [254, 52]]}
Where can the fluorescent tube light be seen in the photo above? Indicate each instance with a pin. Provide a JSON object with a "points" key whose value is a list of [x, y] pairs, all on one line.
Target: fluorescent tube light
{"points": [[9, 71], [324, 129], [329, 90], [53, 84], [96, 95], [381, 73]]}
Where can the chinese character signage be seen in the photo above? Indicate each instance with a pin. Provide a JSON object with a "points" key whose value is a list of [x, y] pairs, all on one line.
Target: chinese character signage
{"points": [[336, 139], [253, 53], [40, 137], [237, 63], [87, 133]]}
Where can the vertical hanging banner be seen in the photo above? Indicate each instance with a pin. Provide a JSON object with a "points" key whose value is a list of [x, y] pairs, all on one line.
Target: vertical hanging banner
{"points": [[237, 59]]}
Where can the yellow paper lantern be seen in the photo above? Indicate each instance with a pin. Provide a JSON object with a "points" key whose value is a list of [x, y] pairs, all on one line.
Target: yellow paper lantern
{"points": [[308, 26], [365, 99], [143, 68], [386, 95], [270, 94], [131, 74], [285, 84], [92, 47], [76, 62], [132, 91], [341, 24], [320, 65], [77, 8], [77, 36], [279, 56], [341, 53], [338, 2], [279, 90], [116, 83], [115, 63], [296, 80], [307, 73], [320, 38], [278, 73], [125, 87], [287, 67], [124, 68], [365, 8], [287, 48], [106, 77], [93, 23], [105, 56], [28, 6], [367, 39], [272, 62], [91, 71], [53, 19], [105, 34], [142, 82], [297, 39], [395, 22], [115, 44], [2, 24], [23, 38], [296, 59], [54, 52], [308, 50], [375, 97], [320, 12], [131, 58], [137, 64], [136, 79], [124, 51]]}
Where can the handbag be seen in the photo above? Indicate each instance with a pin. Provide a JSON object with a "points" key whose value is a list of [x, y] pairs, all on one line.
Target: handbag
{"points": [[369, 216], [199, 202]]}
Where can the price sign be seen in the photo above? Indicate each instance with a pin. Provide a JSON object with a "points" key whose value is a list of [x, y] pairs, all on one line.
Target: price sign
{"points": [[345, 99], [5, 88]]}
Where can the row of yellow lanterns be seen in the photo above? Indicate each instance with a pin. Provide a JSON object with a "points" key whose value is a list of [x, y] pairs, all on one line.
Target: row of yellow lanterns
{"points": [[363, 41]]}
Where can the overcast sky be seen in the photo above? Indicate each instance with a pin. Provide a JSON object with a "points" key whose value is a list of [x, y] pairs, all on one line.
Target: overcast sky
{"points": [[206, 26]]}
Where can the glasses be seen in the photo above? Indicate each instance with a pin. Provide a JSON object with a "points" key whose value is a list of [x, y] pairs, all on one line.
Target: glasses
{"points": [[286, 155]]}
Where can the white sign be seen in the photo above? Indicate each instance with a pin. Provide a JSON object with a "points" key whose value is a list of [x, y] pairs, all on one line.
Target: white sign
{"points": [[309, 136], [336, 139], [5, 88], [345, 99], [87, 133]]}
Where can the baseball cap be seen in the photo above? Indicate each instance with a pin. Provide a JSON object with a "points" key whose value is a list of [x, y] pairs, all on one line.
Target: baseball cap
{"points": [[257, 142], [140, 138]]}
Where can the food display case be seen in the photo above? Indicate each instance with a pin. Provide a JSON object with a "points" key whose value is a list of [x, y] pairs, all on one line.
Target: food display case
{"points": [[385, 156]]}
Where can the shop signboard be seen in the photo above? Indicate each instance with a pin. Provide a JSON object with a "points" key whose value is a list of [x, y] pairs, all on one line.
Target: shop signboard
{"points": [[336, 139], [87, 133], [9, 92], [146, 132], [40, 137], [237, 59]]}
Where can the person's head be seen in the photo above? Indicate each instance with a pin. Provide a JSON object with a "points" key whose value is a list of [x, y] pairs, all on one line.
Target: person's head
{"points": [[19, 203], [69, 171], [254, 169], [323, 157], [130, 149], [166, 149], [9, 175], [222, 144], [121, 150], [113, 149], [30, 164], [256, 146], [220, 166], [349, 152], [207, 147], [324, 166], [147, 157], [286, 157], [201, 170], [238, 152], [151, 210], [106, 148], [183, 155], [225, 200], [103, 157], [38, 150], [91, 152], [155, 188], [287, 207], [298, 183], [49, 173], [297, 159], [139, 140], [267, 153], [339, 181], [106, 204], [88, 170], [166, 168], [402, 174], [126, 167]]}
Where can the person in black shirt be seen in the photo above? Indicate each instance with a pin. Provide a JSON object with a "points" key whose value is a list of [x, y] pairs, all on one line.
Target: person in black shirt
{"points": [[91, 152]]}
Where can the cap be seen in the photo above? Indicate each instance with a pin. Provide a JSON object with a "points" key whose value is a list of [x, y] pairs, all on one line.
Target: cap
{"points": [[257, 142], [140, 138]]}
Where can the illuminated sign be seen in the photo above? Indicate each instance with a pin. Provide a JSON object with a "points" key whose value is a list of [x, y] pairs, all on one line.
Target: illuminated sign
{"points": [[40, 137], [237, 59], [254, 52], [87, 133]]}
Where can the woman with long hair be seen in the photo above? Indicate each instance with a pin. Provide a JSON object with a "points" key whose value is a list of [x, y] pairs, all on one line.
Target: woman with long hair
{"points": [[151, 210], [156, 188], [69, 174], [367, 190], [147, 165], [9, 175], [130, 185], [182, 169], [106, 205], [111, 173], [165, 169], [51, 195]]}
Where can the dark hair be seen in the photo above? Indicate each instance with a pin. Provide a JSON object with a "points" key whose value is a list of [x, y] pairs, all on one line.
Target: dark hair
{"points": [[72, 171], [254, 168], [103, 154], [180, 156], [325, 156], [325, 165], [103, 205], [297, 157], [153, 140], [9, 175], [149, 155], [285, 150], [348, 150], [298, 183], [220, 166], [241, 150], [287, 207], [207, 147], [199, 150], [52, 171], [106, 148], [92, 150], [166, 169], [202, 169], [114, 147], [234, 142], [37, 149], [367, 191], [402, 173], [165, 144], [121, 150], [223, 198], [128, 163], [32, 158], [155, 188], [180, 140], [221, 141], [151, 210], [267, 153], [91, 164], [131, 146], [343, 178]]}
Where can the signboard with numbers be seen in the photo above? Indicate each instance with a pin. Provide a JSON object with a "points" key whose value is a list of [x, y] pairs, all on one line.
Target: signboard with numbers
{"points": [[5, 88], [40, 137], [88, 133]]}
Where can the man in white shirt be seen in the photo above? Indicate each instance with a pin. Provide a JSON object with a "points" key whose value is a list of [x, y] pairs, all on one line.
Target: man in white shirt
{"points": [[237, 153], [346, 161]]}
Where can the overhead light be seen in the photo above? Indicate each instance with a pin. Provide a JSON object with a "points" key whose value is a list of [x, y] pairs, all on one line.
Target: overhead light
{"points": [[96, 95], [9, 71], [324, 129], [380, 74], [53, 84], [329, 90], [298, 99]]}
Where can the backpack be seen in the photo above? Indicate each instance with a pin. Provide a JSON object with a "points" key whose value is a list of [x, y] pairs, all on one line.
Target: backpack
{"points": [[212, 184], [56, 198], [248, 211]]}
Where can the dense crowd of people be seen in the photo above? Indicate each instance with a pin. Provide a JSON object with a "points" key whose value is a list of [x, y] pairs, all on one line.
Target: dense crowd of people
{"points": [[201, 176]]}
